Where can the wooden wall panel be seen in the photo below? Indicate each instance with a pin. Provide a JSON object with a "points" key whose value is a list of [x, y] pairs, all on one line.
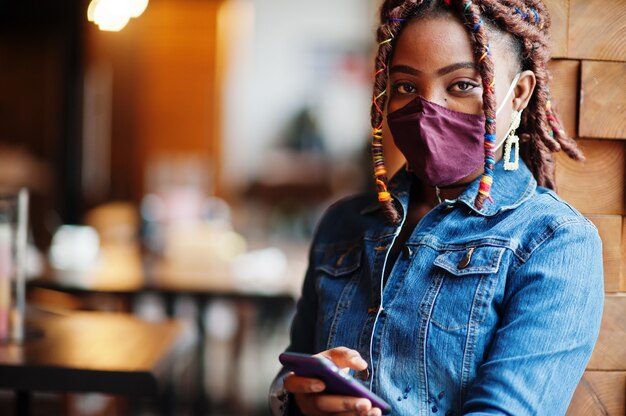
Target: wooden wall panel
{"points": [[610, 354], [596, 30], [179, 95], [603, 100], [591, 97], [166, 68], [600, 393], [595, 186], [559, 14], [564, 88], [610, 230], [622, 286]]}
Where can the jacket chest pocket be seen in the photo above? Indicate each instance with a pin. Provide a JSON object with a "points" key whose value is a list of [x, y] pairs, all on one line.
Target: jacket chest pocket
{"points": [[464, 283], [337, 277]]}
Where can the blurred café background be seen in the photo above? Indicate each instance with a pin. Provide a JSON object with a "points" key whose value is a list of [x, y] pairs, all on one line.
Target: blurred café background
{"points": [[178, 154]]}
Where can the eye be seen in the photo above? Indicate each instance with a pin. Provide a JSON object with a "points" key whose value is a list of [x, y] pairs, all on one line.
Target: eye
{"points": [[463, 86], [403, 88]]}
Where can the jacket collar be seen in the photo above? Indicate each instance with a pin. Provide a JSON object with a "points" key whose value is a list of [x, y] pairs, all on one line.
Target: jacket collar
{"points": [[509, 190]]}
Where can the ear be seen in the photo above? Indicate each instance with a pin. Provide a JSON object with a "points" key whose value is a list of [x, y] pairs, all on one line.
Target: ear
{"points": [[524, 90]]}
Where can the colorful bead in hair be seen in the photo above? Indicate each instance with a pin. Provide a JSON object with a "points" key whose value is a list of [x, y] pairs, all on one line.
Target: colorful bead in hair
{"points": [[379, 165], [474, 23], [467, 5], [532, 9], [486, 53], [489, 86], [520, 12], [377, 152], [393, 18], [525, 13], [554, 123]]}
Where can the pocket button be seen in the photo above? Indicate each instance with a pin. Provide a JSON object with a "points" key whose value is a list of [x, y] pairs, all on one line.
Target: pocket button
{"points": [[467, 258]]}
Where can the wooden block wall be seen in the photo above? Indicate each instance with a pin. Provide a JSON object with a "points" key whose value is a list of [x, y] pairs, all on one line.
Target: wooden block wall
{"points": [[610, 354], [603, 100], [610, 229], [589, 91], [622, 284], [600, 394], [602, 390]]}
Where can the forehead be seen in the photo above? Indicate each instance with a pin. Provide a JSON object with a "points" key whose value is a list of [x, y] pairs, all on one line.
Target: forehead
{"points": [[437, 41], [433, 41]]}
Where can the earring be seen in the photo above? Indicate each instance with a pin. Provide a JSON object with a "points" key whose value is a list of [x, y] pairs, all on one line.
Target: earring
{"points": [[512, 140]]}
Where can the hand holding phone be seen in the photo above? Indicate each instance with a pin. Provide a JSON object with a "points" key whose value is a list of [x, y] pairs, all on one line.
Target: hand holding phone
{"points": [[335, 380]]}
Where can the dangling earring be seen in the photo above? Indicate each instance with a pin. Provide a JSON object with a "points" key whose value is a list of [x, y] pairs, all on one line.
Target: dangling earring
{"points": [[512, 140]]}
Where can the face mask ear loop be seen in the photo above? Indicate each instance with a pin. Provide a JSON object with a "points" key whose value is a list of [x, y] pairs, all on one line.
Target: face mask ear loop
{"points": [[508, 93], [506, 99]]}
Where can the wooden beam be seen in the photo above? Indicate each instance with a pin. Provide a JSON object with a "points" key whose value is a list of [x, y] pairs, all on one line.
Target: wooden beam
{"points": [[559, 16], [595, 186], [622, 285], [603, 100], [596, 30], [600, 393], [610, 229], [564, 89], [179, 90], [609, 353]]}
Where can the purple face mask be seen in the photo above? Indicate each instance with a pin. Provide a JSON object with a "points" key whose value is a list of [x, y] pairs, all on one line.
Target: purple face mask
{"points": [[441, 146]]}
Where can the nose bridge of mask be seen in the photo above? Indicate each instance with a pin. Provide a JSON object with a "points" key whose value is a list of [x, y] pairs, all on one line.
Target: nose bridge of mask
{"points": [[506, 99]]}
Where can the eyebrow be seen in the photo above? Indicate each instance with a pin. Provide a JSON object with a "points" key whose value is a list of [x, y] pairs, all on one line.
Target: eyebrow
{"points": [[406, 69]]}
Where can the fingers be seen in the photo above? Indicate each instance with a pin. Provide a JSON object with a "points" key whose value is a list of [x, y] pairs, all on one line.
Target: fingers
{"points": [[297, 384], [322, 404], [345, 357], [307, 390], [372, 412]]}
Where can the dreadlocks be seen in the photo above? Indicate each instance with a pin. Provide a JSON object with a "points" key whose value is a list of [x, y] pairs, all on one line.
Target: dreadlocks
{"points": [[528, 22]]}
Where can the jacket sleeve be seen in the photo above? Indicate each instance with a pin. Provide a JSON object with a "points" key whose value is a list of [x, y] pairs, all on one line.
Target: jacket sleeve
{"points": [[549, 325], [302, 340]]}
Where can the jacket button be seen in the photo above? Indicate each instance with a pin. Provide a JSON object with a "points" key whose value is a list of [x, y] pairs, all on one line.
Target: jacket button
{"points": [[467, 258], [406, 252]]}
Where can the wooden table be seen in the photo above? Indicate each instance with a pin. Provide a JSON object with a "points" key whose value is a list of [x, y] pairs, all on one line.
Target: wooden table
{"points": [[201, 292], [112, 353]]}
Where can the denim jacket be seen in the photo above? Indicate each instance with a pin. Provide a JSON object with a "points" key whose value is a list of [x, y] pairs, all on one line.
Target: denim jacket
{"points": [[484, 312]]}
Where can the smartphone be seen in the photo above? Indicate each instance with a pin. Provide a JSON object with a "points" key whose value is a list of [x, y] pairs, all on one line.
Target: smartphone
{"points": [[336, 381]]}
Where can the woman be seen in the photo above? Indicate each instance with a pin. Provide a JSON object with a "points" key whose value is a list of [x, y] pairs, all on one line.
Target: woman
{"points": [[469, 287]]}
